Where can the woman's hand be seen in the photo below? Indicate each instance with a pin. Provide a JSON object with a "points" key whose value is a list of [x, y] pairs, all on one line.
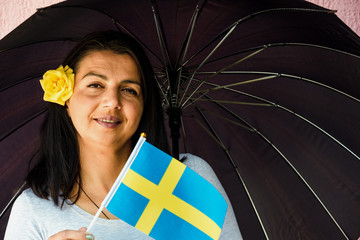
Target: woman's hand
{"points": [[80, 234]]}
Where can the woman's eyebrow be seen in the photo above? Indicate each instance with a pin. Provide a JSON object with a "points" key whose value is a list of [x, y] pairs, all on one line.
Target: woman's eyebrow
{"points": [[95, 75], [131, 81]]}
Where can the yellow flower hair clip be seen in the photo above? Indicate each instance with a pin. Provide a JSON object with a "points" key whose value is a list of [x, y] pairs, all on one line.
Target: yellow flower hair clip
{"points": [[58, 85]]}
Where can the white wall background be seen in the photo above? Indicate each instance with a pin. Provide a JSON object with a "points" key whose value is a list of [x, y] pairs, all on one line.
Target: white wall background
{"points": [[14, 12]]}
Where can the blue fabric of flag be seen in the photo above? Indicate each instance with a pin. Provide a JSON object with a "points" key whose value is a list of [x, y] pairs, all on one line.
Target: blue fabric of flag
{"points": [[151, 163], [195, 196], [170, 226], [127, 205]]}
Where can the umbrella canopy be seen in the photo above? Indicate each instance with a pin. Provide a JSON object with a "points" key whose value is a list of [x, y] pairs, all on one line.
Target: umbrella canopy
{"points": [[267, 92]]}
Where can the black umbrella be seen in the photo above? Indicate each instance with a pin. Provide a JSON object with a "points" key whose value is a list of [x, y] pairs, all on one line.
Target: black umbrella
{"points": [[266, 91]]}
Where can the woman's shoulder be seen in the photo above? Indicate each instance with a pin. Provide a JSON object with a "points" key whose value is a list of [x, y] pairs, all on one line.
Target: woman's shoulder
{"points": [[194, 162], [28, 193], [200, 166], [39, 217], [26, 212], [28, 202], [29, 197]]}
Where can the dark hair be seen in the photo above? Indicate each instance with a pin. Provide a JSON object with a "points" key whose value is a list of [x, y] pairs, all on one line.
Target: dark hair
{"points": [[58, 167]]}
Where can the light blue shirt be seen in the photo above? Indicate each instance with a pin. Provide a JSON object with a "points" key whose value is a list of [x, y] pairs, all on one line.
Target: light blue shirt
{"points": [[35, 218]]}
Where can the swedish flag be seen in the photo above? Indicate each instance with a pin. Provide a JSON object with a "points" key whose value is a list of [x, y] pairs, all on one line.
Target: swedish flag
{"points": [[165, 199]]}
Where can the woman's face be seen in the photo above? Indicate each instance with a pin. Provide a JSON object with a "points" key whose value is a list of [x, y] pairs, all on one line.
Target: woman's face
{"points": [[107, 102]]}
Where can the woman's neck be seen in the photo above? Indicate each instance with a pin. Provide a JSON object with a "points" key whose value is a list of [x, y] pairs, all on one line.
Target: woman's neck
{"points": [[101, 165], [99, 168]]}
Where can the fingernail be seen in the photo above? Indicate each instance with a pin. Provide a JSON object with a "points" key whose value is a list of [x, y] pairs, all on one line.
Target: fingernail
{"points": [[89, 237]]}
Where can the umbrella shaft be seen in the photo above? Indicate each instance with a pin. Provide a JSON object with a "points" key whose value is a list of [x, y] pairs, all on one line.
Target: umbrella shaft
{"points": [[174, 124]]}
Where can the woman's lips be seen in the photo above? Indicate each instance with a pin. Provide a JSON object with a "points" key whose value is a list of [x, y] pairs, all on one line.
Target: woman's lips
{"points": [[108, 121]]}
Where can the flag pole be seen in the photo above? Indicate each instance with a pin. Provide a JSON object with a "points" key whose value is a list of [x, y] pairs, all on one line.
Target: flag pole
{"points": [[119, 179]]}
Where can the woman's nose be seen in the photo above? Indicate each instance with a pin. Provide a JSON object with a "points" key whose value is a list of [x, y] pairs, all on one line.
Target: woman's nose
{"points": [[112, 99]]}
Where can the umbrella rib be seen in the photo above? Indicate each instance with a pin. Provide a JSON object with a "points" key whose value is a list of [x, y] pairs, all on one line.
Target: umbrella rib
{"points": [[183, 134], [290, 164], [216, 73], [271, 75], [161, 90], [36, 42], [248, 17], [204, 61], [188, 35], [315, 46], [227, 87], [233, 102], [320, 129], [162, 83], [162, 44], [160, 34], [137, 39], [229, 30], [186, 44], [270, 45], [217, 139], [230, 121], [320, 84], [205, 91], [114, 20], [19, 82], [306, 183], [12, 200], [237, 83], [296, 114], [21, 124]]}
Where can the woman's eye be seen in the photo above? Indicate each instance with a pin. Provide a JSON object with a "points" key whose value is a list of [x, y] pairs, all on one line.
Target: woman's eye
{"points": [[95, 85], [130, 91]]}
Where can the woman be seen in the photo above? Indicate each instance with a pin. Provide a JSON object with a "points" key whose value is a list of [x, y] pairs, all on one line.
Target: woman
{"points": [[88, 135]]}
